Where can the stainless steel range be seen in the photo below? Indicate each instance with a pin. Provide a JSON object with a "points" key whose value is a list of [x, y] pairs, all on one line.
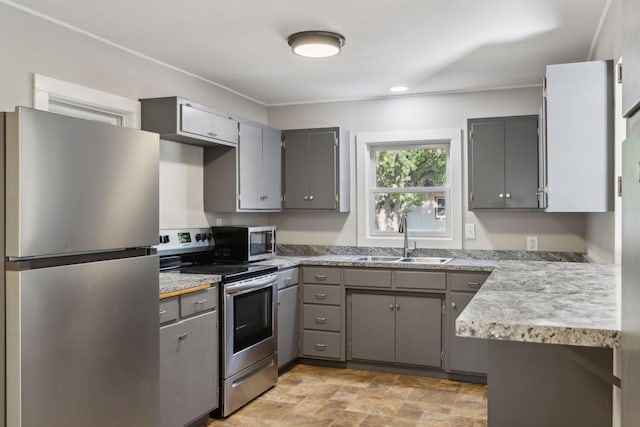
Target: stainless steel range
{"points": [[248, 291]]}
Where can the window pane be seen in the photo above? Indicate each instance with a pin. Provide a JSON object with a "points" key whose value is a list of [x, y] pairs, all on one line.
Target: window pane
{"points": [[426, 212], [411, 167]]}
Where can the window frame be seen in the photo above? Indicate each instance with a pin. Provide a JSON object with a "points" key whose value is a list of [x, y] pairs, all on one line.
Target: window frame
{"points": [[81, 101], [367, 143]]}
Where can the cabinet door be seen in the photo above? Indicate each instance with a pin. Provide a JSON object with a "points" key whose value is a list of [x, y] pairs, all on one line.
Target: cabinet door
{"points": [[296, 171], [250, 167], [322, 170], [372, 327], [288, 325], [271, 168], [465, 354], [418, 330], [197, 348], [631, 57], [171, 397], [486, 163], [521, 162], [223, 128], [194, 120]]}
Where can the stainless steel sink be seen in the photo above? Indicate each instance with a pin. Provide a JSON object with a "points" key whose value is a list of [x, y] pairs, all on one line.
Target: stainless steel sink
{"points": [[426, 260], [370, 258]]}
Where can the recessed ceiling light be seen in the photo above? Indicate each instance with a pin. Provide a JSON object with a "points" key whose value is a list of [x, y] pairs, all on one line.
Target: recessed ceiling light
{"points": [[316, 44], [398, 88]]}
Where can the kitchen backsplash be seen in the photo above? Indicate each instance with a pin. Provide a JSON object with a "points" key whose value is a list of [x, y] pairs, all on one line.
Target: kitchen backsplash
{"points": [[316, 250]]}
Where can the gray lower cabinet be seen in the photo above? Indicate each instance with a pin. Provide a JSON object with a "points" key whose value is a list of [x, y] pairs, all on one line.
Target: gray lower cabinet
{"points": [[395, 328], [288, 325], [188, 369], [503, 163], [466, 355], [316, 169]]}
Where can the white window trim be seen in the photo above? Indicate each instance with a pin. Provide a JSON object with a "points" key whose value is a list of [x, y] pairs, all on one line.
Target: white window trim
{"points": [[47, 89], [364, 143]]}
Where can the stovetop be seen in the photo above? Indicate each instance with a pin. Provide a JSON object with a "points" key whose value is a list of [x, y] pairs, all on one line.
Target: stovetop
{"points": [[229, 272]]}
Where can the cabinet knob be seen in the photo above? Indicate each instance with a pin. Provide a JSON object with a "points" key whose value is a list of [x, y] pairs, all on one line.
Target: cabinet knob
{"points": [[508, 195], [501, 195], [453, 305], [306, 197], [182, 336], [391, 307], [310, 197], [397, 307]]}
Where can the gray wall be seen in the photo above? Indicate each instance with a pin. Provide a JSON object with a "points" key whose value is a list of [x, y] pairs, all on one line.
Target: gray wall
{"points": [[33, 45]]}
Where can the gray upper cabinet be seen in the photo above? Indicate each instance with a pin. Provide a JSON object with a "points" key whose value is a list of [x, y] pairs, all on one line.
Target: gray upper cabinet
{"points": [[180, 120], [247, 178], [503, 163], [316, 169], [259, 169], [631, 57], [578, 137]]}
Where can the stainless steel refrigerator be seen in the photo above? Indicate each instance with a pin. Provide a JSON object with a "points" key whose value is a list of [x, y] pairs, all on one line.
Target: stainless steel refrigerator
{"points": [[81, 279]]}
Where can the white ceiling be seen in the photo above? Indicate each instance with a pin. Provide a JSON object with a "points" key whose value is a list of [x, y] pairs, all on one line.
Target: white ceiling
{"points": [[432, 46]]}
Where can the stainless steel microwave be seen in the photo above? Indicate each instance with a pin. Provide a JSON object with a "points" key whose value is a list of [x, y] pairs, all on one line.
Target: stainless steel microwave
{"points": [[244, 243]]}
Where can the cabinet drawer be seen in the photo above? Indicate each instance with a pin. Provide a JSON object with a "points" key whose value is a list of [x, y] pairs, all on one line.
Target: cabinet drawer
{"points": [[321, 317], [321, 294], [321, 344], [200, 301], [287, 278], [169, 309], [467, 281], [420, 280], [321, 275], [369, 278]]}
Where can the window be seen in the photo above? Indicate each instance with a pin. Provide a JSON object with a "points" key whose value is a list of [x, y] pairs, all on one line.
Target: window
{"points": [[409, 180], [78, 101], [412, 173]]}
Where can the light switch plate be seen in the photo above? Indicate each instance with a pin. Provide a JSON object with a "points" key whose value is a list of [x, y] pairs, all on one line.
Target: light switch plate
{"points": [[532, 243], [470, 231], [218, 222]]}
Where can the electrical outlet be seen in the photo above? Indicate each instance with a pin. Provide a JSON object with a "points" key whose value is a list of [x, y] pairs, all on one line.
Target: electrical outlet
{"points": [[532, 243], [218, 222], [470, 231]]}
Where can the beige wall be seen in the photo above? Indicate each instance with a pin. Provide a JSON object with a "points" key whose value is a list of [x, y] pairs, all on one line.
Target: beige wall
{"points": [[33, 45], [494, 230], [601, 228]]}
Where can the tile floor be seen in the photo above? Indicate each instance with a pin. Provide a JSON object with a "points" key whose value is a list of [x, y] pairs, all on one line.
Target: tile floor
{"points": [[311, 396]]}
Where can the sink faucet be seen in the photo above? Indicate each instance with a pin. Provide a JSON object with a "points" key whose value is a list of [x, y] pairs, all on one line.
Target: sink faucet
{"points": [[404, 229]]}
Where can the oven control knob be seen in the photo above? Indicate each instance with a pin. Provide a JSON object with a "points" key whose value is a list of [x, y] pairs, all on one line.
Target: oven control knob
{"points": [[160, 239], [198, 237], [209, 236], [165, 239]]}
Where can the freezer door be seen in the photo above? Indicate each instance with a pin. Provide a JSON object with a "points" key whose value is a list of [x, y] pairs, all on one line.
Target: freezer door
{"points": [[83, 345], [76, 186]]}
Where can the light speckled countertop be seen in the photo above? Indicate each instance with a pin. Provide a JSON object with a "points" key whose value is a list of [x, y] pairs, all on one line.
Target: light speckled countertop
{"points": [[173, 282], [547, 302]]}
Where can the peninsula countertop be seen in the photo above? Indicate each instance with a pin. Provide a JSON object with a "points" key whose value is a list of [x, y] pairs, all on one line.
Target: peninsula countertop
{"points": [[547, 302]]}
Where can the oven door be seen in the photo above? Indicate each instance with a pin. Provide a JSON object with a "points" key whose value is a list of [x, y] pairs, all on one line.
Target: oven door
{"points": [[262, 243], [249, 315]]}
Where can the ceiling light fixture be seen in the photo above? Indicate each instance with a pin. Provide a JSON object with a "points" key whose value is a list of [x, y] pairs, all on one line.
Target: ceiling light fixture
{"points": [[398, 88], [316, 44]]}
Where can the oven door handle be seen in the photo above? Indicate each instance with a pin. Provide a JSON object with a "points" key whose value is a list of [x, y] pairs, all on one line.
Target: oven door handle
{"points": [[254, 285]]}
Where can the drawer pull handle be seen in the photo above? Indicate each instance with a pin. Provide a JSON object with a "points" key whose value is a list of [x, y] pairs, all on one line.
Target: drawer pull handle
{"points": [[321, 277], [321, 347], [321, 320], [202, 301], [163, 312], [182, 336], [473, 284], [321, 296], [212, 134]]}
